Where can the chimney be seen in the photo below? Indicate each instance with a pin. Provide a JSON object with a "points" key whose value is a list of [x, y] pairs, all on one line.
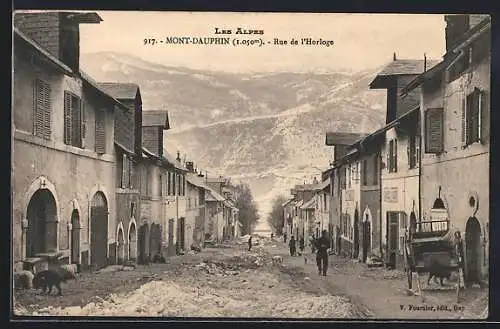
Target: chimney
{"points": [[190, 166], [57, 32], [178, 156], [456, 26], [394, 56]]}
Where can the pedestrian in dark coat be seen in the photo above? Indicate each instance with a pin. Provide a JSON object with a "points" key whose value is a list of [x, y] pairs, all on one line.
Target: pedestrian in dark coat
{"points": [[292, 246], [249, 243], [322, 246], [284, 237], [302, 244]]}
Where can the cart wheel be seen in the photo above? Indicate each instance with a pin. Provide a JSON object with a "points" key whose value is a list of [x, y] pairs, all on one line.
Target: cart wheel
{"points": [[410, 278]]}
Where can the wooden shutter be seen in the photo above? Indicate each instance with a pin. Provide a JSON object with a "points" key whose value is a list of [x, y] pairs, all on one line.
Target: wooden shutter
{"points": [[41, 109], [395, 163], [484, 116], [47, 106], [169, 183], [131, 173], [434, 130], [83, 126], [473, 116], [464, 121], [76, 122], [67, 118], [100, 136], [124, 160]]}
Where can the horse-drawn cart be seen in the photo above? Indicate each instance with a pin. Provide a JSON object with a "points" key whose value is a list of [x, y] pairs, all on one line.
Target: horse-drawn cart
{"points": [[432, 248]]}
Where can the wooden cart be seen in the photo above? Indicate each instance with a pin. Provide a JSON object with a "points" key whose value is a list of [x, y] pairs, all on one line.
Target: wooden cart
{"points": [[433, 249]]}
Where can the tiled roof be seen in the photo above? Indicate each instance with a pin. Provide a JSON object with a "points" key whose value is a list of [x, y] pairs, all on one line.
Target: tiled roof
{"points": [[120, 90], [401, 67], [152, 118], [322, 185], [311, 204], [213, 196], [338, 138], [193, 179]]}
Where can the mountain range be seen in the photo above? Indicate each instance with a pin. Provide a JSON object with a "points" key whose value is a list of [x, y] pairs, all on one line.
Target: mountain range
{"points": [[265, 129]]}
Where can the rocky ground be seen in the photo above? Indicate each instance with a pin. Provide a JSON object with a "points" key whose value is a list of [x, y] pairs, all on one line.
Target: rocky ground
{"points": [[233, 282]]}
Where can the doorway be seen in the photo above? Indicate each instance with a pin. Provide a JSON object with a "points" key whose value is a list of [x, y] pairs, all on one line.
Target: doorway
{"points": [[132, 242], [41, 234], [356, 234], [367, 237], [181, 231], [121, 247], [75, 237], [99, 231], [392, 238], [154, 240], [473, 250], [143, 243], [171, 249]]}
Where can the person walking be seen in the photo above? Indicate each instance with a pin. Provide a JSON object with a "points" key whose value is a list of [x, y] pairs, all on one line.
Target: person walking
{"points": [[284, 237], [301, 245], [322, 246], [312, 243], [292, 246], [250, 243]]}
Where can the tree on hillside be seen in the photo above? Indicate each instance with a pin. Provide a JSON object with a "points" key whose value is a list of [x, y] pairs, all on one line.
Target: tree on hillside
{"points": [[276, 218], [248, 214]]}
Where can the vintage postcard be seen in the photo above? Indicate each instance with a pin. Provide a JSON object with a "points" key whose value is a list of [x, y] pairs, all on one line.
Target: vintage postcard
{"points": [[250, 165]]}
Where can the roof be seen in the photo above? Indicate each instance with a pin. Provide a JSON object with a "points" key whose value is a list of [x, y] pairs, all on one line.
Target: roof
{"points": [[477, 30], [304, 187], [346, 157], [95, 85], [90, 17], [213, 195], [120, 90], [172, 160], [392, 124], [284, 204], [193, 179], [155, 118], [321, 186], [342, 138], [401, 67], [124, 149], [430, 74], [311, 204], [35, 46]]}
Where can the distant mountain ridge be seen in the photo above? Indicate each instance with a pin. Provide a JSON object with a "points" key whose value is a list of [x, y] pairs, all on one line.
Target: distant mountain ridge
{"points": [[265, 129]]}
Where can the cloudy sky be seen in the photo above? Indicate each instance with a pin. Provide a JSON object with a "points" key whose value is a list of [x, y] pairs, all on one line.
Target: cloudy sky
{"points": [[362, 41]]}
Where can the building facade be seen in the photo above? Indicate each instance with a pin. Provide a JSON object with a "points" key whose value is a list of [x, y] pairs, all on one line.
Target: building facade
{"points": [[62, 123], [455, 105], [196, 208]]}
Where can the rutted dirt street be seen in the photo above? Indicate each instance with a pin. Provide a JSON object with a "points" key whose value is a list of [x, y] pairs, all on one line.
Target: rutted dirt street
{"points": [[232, 282]]}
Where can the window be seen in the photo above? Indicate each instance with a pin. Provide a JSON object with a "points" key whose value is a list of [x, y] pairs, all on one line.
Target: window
{"points": [[42, 108], [100, 131], [349, 174], [413, 152], [324, 202], [473, 108], [375, 170], [365, 172], [169, 183], [434, 127], [174, 178], [125, 172], [160, 186], [392, 156], [74, 120]]}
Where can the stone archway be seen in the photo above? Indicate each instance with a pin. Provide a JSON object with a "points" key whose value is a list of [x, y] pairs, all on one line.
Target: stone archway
{"points": [[41, 233], [98, 231], [120, 246], [132, 242], [473, 251], [75, 237]]}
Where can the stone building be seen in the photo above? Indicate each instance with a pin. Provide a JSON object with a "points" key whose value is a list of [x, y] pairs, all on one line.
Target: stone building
{"points": [[196, 206], [455, 171], [63, 146]]}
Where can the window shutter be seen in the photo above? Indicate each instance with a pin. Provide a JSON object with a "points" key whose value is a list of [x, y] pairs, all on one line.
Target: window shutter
{"points": [[100, 137], [395, 155], [464, 121], [124, 171], [434, 130], [46, 110], [37, 106], [83, 123], [76, 124], [484, 127], [131, 173], [67, 118]]}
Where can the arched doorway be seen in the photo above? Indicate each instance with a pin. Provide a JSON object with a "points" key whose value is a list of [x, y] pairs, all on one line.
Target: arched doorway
{"points": [[154, 240], [473, 251], [143, 243], [41, 234], [367, 235], [356, 234], [75, 237], [132, 242], [98, 231], [121, 246]]}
